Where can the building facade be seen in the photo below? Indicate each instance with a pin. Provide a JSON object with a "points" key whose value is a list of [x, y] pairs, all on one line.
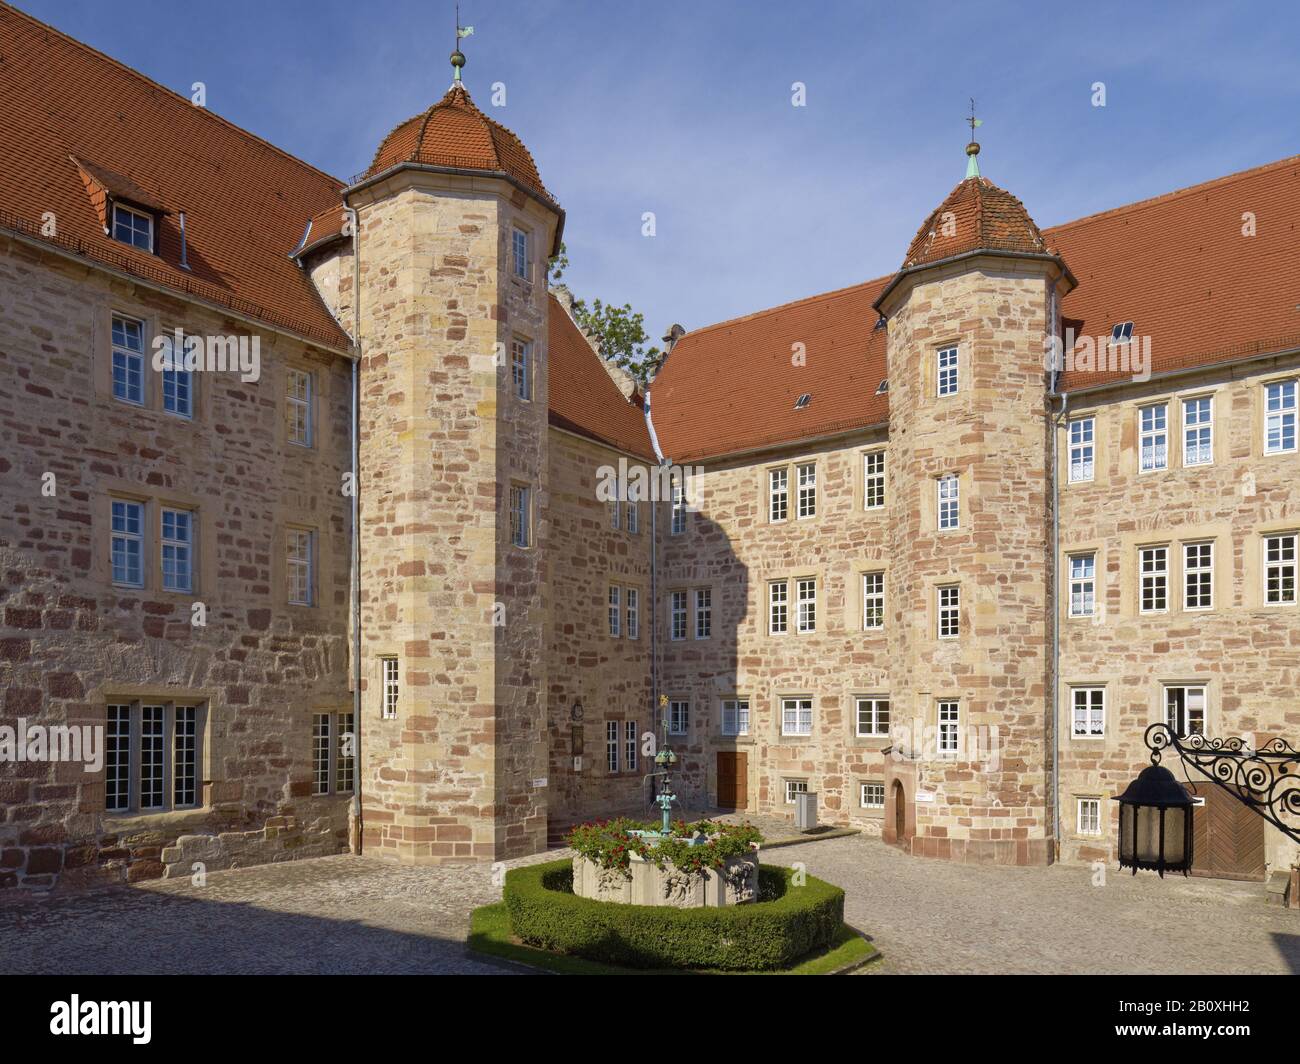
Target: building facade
{"points": [[309, 539]]}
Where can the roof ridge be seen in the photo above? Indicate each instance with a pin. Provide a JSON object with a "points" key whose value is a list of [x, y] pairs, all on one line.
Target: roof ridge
{"points": [[787, 306], [8, 8], [1150, 201]]}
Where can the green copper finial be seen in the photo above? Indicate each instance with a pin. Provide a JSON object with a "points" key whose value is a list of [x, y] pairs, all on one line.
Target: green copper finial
{"points": [[973, 149], [457, 56]]}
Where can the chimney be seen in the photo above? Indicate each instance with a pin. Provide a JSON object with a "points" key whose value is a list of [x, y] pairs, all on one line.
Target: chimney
{"points": [[675, 332]]}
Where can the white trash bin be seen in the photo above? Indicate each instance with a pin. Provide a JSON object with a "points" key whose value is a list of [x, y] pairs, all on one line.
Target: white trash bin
{"points": [[805, 810]]}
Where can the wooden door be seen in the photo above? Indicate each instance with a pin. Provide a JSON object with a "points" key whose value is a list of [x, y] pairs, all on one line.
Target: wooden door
{"points": [[733, 775], [900, 812], [1227, 836]]}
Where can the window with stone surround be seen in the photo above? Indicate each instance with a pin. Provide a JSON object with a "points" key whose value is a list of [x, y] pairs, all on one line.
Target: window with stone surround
{"points": [[778, 594], [519, 257], [1154, 562], [521, 368], [793, 787], [1280, 569], [735, 716], [133, 227], [127, 542], [678, 525], [873, 601], [948, 597], [679, 717], [946, 359], [873, 479], [1153, 436], [949, 501], [178, 550], [1088, 816], [778, 494], [611, 744], [806, 589], [615, 512], [1088, 712], [152, 756], [300, 564], [615, 611], [677, 616], [1198, 431], [128, 359], [949, 713], [521, 517], [1083, 585], [298, 388], [633, 518], [177, 381], [872, 717], [871, 795], [345, 753], [633, 597], [1082, 448], [703, 612], [630, 745], [1185, 709], [796, 716], [390, 689], [1198, 575], [807, 474], [321, 744], [1280, 403]]}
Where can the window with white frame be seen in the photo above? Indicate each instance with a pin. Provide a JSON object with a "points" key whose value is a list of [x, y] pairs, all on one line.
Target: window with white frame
{"points": [[679, 717], [298, 407], [630, 745], [677, 615], [735, 716], [1198, 575], [949, 727], [152, 756], [703, 612], [1153, 424], [807, 604], [778, 593], [615, 513], [1088, 816], [1088, 720], [793, 787], [345, 753], [633, 517], [1280, 416], [615, 612], [1082, 448], [633, 613], [177, 550], [1155, 579], [873, 600], [128, 360], [796, 716], [300, 563], [873, 717], [177, 381], [390, 689], [871, 795], [1185, 710], [519, 252], [873, 480], [949, 599], [521, 367], [1280, 569], [678, 525], [1083, 585], [778, 494], [128, 543], [807, 490], [946, 359], [321, 761], [612, 741], [133, 227], [949, 501], [1198, 431], [521, 531]]}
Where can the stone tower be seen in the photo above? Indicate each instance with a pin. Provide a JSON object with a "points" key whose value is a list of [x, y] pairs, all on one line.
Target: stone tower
{"points": [[970, 533], [455, 229]]}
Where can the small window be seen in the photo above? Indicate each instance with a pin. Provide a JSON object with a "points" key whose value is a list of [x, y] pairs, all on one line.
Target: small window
{"points": [[949, 501], [521, 368], [802, 401], [883, 387], [128, 360], [300, 558], [1089, 816], [949, 597], [391, 688], [947, 367], [949, 727], [873, 601], [1198, 431], [703, 612], [297, 407], [873, 718], [1185, 710], [152, 753], [1155, 579], [521, 531], [793, 787], [633, 613], [615, 513], [807, 604], [177, 382], [1121, 333], [677, 616], [128, 543], [1082, 448], [133, 227], [630, 745], [1198, 576], [872, 795], [1280, 417], [611, 744], [1083, 585], [615, 612], [778, 493], [807, 490], [796, 716], [519, 247], [679, 714], [321, 745], [1154, 437], [345, 753], [873, 480], [735, 716], [177, 550], [778, 605], [1280, 569], [633, 518], [679, 509], [1089, 713]]}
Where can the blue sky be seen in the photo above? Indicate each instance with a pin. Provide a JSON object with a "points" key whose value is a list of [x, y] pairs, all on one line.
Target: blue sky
{"points": [[684, 109]]}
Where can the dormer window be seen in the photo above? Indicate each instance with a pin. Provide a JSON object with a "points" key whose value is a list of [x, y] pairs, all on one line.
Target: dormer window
{"points": [[802, 401], [133, 227], [1122, 333], [884, 387]]}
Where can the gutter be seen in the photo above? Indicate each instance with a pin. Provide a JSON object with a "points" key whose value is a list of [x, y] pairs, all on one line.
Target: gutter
{"points": [[1033, 256], [1185, 371]]}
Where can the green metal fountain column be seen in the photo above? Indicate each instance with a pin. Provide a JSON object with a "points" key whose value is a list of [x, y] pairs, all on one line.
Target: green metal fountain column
{"points": [[665, 759]]}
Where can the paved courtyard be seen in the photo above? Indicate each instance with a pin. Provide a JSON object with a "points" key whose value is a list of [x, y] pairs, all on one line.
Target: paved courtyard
{"points": [[348, 914]]}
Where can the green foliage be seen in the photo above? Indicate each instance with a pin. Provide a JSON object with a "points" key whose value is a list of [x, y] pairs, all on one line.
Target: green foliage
{"points": [[611, 844], [790, 922]]}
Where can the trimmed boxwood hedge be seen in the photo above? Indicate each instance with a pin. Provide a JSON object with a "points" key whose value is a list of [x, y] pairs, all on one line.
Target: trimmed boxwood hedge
{"points": [[785, 924]]}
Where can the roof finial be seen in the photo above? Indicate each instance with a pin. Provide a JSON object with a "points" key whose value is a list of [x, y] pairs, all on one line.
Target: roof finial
{"points": [[973, 149], [457, 56]]}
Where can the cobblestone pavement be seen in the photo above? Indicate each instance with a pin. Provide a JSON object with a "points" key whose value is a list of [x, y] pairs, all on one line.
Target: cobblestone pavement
{"points": [[350, 914]]}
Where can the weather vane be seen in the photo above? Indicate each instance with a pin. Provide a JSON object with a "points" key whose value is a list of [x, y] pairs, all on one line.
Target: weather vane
{"points": [[457, 56], [973, 149]]}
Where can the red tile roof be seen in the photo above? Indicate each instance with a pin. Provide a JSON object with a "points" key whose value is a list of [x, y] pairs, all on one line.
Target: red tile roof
{"points": [[78, 126], [583, 398], [1178, 266]]}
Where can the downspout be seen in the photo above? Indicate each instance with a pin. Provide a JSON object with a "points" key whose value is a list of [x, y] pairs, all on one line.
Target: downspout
{"points": [[1056, 421], [354, 531]]}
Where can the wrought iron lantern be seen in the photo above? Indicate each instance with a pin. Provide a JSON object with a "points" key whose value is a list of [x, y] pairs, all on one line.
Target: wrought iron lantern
{"points": [[1155, 822]]}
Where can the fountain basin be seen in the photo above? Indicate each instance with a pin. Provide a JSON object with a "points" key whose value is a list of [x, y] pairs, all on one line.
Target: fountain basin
{"points": [[735, 883]]}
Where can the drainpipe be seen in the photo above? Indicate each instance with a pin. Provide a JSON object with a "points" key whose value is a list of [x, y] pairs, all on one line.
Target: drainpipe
{"points": [[354, 531], [1056, 421]]}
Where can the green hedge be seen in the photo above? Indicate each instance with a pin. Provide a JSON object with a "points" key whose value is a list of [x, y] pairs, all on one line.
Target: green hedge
{"points": [[789, 922]]}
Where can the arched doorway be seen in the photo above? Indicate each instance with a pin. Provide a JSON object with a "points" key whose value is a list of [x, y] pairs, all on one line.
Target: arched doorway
{"points": [[900, 813]]}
